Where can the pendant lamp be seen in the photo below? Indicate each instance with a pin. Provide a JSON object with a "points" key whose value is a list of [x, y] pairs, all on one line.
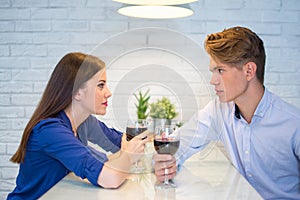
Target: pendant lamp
{"points": [[155, 2], [156, 9]]}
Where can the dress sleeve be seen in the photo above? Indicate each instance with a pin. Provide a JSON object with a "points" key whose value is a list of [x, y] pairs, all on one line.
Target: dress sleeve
{"points": [[58, 142]]}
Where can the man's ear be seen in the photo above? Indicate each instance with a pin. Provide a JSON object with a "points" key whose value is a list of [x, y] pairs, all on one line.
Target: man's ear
{"points": [[250, 70]]}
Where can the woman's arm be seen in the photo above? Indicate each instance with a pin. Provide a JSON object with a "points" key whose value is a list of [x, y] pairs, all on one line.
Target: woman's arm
{"points": [[116, 169]]}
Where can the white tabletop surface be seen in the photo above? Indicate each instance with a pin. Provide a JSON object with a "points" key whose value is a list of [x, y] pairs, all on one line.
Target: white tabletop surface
{"points": [[210, 177]]}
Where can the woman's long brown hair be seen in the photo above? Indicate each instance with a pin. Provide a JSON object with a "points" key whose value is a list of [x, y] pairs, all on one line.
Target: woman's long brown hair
{"points": [[71, 72]]}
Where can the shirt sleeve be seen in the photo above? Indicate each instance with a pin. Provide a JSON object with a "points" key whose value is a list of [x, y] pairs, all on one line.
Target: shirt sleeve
{"points": [[112, 134], [296, 143], [196, 133], [58, 142], [98, 133]]}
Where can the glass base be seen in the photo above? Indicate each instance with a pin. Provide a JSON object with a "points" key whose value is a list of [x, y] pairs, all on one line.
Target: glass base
{"points": [[144, 165], [137, 170], [164, 185]]}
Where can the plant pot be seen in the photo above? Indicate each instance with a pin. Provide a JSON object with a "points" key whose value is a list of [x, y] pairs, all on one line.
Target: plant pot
{"points": [[158, 122]]}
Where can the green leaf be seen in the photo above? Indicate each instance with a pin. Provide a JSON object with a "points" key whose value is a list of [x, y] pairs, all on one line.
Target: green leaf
{"points": [[142, 104]]}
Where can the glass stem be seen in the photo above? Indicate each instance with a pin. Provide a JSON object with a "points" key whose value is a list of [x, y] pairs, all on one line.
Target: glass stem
{"points": [[166, 182]]}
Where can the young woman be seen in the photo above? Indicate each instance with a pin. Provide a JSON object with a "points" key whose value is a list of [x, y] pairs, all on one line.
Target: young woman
{"points": [[50, 147]]}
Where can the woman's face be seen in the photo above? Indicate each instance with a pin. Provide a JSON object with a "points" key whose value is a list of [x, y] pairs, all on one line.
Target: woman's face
{"points": [[230, 82], [95, 93]]}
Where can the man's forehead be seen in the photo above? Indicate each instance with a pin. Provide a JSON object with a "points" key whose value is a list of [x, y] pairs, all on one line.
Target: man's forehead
{"points": [[212, 64]]}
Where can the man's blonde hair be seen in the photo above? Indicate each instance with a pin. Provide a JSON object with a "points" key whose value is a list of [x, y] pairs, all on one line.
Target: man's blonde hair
{"points": [[236, 46]]}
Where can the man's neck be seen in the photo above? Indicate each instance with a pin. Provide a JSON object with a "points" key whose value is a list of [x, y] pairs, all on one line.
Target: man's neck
{"points": [[248, 102]]}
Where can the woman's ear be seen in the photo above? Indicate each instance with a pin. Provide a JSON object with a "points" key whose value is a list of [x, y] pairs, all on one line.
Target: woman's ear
{"points": [[77, 95], [250, 70]]}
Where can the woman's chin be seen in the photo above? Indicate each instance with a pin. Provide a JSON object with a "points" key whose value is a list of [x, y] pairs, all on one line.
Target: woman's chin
{"points": [[101, 112]]}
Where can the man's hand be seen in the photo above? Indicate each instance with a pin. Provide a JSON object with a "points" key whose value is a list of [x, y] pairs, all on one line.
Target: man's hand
{"points": [[164, 164]]}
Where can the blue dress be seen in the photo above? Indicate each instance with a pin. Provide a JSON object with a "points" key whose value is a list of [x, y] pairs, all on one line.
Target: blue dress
{"points": [[53, 151]]}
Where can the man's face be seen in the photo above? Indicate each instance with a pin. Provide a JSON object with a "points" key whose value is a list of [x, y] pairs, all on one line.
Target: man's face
{"points": [[229, 82]]}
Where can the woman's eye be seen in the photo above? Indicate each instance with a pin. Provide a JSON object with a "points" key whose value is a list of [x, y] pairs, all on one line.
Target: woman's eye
{"points": [[101, 85]]}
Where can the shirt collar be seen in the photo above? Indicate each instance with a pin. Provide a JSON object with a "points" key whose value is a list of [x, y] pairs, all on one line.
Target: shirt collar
{"points": [[261, 108], [263, 104], [63, 116], [237, 113]]}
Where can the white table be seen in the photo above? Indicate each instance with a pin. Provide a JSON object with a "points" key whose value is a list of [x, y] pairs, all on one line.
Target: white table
{"points": [[212, 177]]}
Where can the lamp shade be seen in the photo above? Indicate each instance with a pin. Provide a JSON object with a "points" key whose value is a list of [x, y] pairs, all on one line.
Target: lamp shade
{"points": [[155, 2], [156, 11]]}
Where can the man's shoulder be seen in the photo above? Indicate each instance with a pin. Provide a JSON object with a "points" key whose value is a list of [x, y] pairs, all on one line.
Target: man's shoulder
{"points": [[284, 106]]}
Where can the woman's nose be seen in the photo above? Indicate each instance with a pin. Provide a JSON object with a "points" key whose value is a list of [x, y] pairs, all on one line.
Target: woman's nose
{"points": [[107, 93]]}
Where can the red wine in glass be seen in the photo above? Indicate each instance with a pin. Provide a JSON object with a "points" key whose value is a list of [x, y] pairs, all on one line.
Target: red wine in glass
{"points": [[132, 131], [134, 128], [166, 145], [166, 141]]}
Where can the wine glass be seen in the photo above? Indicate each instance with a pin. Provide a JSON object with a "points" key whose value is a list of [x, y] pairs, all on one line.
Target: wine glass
{"points": [[134, 128], [166, 141]]}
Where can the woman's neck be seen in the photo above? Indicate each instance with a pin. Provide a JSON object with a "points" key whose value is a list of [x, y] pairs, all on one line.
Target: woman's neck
{"points": [[76, 118]]}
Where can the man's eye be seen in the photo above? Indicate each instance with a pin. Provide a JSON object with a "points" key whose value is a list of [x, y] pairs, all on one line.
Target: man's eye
{"points": [[220, 71], [101, 85]]}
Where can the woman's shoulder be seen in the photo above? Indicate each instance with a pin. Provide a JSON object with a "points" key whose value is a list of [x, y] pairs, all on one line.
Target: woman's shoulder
{"points": [[49, 131], [52, 129], [50, 123]]}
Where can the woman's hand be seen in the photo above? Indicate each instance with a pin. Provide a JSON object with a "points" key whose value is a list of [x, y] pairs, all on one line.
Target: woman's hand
{"points": [[117, 168], [164, 164], [135, 147]]}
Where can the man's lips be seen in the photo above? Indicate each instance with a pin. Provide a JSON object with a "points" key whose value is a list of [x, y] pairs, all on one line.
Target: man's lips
{"points": [[218, 91], [105, 104]]}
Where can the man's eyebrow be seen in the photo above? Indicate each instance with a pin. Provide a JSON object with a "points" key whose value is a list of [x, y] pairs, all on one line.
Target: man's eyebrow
{"points": [[214, 68]]}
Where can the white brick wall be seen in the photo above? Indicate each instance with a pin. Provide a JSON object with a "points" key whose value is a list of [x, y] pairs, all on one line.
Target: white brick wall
{"points": [[35, 34]]}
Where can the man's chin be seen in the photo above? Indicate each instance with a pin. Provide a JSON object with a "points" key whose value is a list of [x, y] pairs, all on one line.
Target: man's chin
{"points": [[224, 100]]}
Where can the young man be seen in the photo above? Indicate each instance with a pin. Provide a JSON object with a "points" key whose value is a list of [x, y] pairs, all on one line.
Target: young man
{"points": [[260, 132]]}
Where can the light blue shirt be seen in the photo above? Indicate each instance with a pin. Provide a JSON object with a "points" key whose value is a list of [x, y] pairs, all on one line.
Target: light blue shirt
{"points": [[266, 151]]}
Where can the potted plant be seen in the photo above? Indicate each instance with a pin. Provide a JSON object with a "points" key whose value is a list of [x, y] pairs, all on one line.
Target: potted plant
{"points": [[142, 104], [162, 112]]}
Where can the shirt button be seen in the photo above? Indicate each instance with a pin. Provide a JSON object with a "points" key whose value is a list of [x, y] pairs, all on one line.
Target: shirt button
{"points": [[250, 175], [247, 152]]}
